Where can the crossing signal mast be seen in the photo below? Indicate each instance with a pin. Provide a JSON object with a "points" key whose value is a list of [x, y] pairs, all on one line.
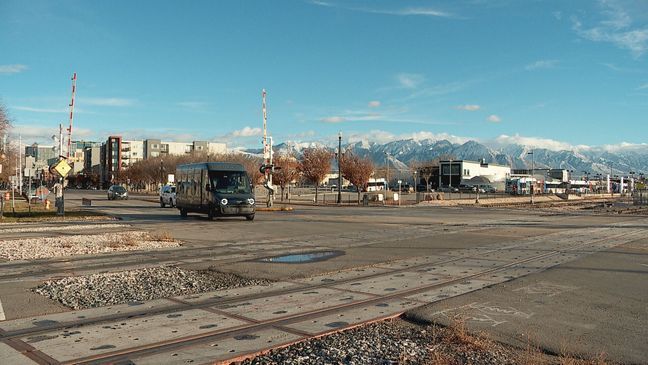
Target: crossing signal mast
{"points": [[69, 130], [267, 168]]}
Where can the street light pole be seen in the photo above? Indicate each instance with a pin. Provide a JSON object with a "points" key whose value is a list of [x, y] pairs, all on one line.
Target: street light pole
{"points": [[339, 199], [415, 188], [387, 162], [532, 173]]}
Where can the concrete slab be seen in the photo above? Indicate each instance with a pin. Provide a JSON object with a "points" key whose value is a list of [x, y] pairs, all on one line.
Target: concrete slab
{"points": [[394, 283], [278, 306], [236, 292], [342, 275], [73, 316], [465, 267], [594, 305], [98, 339], [453, 290], [10, 356], [349, 318], [227, 348]]}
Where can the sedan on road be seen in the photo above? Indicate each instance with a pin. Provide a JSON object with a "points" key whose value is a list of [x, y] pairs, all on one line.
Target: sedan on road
{"points": [[117, 192], [168, 196]]}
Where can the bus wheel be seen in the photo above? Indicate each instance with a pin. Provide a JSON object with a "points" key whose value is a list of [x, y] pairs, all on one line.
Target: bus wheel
{"points": [[161, 203], [250, 217], [183, 213]]}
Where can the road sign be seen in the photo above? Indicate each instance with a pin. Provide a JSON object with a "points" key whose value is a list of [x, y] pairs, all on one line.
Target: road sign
{"points": [[62, 168]]}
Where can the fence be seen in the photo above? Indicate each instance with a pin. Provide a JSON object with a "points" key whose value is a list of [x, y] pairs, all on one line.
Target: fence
{"points": [[640, 197]]}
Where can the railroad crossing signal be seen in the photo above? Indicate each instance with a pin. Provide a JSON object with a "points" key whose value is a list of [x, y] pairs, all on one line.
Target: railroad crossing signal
{"points": [[62, 168], [268, 168]]}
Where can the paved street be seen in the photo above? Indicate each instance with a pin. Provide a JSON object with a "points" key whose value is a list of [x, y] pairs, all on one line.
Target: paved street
{"points": [[572, 279]]}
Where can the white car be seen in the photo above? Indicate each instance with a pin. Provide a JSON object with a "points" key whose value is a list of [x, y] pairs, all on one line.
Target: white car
{"points": [[168, 196]]}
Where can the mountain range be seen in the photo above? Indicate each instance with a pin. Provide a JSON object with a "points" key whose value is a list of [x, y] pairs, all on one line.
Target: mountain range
{"points": [[402, 153]]}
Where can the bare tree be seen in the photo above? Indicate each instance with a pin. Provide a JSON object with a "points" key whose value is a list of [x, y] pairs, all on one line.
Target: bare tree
{"points": [[314, 165], [357, 170], [7, 152], [287, 173]]}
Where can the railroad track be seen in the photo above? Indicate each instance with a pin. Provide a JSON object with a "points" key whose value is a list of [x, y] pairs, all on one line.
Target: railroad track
{"points": [[220, 306]]}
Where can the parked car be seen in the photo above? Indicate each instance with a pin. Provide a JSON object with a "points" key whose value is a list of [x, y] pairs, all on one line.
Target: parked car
{"points": [[117, 192], [168, 196], [467, 189], [449, 189]]}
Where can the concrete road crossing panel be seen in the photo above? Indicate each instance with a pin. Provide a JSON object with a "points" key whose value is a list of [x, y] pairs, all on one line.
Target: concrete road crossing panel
{"points": [[236, 292], [394, 283], [436, 294], [227, 348], [272, 307], [76, 343], [343, 275], [9, 355], [57, 319], [353, 316]]}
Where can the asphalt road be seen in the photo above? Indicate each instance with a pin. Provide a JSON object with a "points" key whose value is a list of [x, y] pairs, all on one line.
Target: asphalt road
{"points": [[609, 289]]}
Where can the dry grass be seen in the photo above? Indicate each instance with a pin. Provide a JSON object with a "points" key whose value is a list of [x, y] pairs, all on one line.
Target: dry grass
{"points": [[124, 241], [455, 340], [163, 236]]}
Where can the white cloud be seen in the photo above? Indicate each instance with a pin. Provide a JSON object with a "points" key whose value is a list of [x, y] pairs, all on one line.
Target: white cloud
{"points": [[410, 81], [334, 119], [12, 69], [541, 64], [247, 132], [469, 107], [192, 104], [616, 27], [374, 104], [106, 101], [642, 87], [534, 142], [381, 136], [494, 118], [42, 134], [41, 110], [429, 12]]}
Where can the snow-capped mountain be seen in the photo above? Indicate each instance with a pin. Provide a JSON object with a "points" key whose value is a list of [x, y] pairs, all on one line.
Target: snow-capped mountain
{"points": [[402, 153]]}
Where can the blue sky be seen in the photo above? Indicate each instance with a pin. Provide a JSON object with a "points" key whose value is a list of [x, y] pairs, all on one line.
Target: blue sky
{"points": [[550, 73]]}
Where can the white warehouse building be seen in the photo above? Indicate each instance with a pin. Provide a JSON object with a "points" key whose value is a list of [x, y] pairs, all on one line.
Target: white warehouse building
{"points": [[460, 172]]}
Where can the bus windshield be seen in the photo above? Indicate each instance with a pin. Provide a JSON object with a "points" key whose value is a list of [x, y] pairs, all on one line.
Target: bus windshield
{"points": [[229, 182]]}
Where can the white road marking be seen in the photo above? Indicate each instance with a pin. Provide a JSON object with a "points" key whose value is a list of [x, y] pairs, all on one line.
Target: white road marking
{"points": [[2, 315]]}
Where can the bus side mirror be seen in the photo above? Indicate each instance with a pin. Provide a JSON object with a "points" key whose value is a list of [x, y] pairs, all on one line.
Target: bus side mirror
{"points": [[208, 187]]}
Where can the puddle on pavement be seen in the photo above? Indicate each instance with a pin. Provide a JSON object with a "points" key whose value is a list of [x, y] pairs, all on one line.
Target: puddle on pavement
{"points": [[302, 258]]}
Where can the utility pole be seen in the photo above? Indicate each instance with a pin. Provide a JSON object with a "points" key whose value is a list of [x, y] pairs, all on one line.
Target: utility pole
{"points": [[69, 142], [267, 168], [20, 172], [387, 182], [339, 199], [532, 173]]}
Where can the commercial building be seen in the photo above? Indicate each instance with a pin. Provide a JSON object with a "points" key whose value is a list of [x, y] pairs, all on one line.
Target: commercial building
{"points": [[41, 153], [118, 154], [459, 172], [155, 148]]}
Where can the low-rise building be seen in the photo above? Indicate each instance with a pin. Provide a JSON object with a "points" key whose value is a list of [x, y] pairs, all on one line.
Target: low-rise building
{"points": [[459, 172]]}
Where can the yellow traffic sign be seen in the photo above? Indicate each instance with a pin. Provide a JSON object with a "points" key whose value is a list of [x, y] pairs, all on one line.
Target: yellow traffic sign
{"points": [[62, 168]]}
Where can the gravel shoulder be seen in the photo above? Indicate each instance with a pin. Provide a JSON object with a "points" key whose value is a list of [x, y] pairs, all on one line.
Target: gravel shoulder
{"points": [[47, 247], [398, 341], [97, 290]]}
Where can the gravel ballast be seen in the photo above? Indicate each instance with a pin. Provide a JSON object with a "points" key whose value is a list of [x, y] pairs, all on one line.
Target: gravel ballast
{"points": [[66, 227], [394, 342], [99, 290], [46, 247]]}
